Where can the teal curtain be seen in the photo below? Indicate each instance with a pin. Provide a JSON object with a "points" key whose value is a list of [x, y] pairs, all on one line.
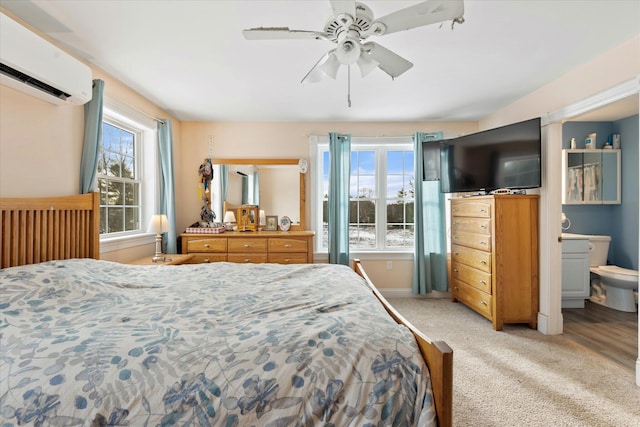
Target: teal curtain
{"points": [[167, 187], [224, 183], [92, 138], [430, 262], [338, 221], [256, 189], [245, 189]]}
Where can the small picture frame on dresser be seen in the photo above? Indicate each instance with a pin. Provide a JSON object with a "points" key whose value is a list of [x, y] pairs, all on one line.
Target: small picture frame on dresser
{"points": [[272, 223]]}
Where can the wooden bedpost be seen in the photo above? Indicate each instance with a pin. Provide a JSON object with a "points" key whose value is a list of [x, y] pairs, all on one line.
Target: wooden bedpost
{"points": [[437, 355]]}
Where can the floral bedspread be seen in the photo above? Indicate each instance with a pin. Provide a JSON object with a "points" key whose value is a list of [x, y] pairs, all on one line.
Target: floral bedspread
{"points": [[86, 342]]}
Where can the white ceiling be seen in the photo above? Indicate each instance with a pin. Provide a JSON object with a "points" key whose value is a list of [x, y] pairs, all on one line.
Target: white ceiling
{"points": [[191, 59]]}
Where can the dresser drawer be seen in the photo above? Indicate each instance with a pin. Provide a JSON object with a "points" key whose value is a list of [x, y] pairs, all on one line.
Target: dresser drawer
{"points": [[480, 209], [288, 258], [471, 276], [471, 225], [287, 245], [207, 245], [472, 257], [257, 245], [477, 300], [248, 258], [207, 258], [472, 240]]}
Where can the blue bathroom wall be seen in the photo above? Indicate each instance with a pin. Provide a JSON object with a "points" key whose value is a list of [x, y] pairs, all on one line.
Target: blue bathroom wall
{"points": [[618, 221], [626, 216]]}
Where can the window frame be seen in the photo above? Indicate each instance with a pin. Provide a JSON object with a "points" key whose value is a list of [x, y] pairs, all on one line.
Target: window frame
{"points": [[124, 115], [320, 144]]}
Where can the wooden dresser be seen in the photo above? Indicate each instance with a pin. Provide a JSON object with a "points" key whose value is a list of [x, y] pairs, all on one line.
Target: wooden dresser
{"points": [[290, 247], [494, 257]]}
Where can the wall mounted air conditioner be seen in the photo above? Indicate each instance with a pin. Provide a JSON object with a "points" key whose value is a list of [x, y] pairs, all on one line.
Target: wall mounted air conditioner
{"points": [[33, 65]]}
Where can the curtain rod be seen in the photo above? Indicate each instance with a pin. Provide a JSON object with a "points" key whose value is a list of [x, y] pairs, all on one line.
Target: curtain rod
{"points": [[144, 113]]}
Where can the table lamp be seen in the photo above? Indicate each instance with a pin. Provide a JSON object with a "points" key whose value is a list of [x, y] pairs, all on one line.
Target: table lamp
{"points": [[159, 224], [229, 219]]}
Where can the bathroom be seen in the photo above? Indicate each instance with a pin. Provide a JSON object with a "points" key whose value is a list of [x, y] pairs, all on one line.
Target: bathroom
{"points": [[619, 221]]}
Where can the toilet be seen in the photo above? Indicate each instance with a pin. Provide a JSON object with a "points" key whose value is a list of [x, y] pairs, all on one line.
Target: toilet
{"points": [[611, 286]]}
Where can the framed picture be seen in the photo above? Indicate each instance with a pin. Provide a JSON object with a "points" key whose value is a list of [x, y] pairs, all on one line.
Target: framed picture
{"points": [[247, 218], [272, 223]]}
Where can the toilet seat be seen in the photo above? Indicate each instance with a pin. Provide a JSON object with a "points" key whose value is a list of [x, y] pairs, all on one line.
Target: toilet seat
{"points": [[614, 269]]}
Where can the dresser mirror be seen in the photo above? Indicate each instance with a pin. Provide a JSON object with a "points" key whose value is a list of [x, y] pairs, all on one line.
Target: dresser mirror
{"points": [[275, 185]]}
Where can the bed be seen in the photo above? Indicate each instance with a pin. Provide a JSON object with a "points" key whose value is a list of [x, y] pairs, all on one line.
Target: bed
{"points": [[90, 342]]}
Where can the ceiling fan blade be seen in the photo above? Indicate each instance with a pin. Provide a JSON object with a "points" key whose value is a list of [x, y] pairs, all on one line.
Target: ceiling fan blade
{"points": [[389, 62], [347, 7], [277, 33], [327, 65], [425, 13]]}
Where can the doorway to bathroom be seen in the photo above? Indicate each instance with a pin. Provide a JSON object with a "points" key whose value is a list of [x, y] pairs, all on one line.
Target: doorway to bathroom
{"points": [[611, 333]]}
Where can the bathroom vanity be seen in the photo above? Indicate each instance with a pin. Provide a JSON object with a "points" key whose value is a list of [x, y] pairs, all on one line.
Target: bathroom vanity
{"points": [[575, 270]]}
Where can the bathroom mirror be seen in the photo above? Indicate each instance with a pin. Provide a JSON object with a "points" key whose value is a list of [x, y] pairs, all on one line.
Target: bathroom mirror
{"points": [[591, 176], [275, 185]]}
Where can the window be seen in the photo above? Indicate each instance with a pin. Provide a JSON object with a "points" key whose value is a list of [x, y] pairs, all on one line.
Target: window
{"points": [[119, 178], [127, 177], [381, 194]]}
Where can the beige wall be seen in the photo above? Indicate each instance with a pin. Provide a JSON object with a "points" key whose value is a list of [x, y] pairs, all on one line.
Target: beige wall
{"points": [[41, 146]]}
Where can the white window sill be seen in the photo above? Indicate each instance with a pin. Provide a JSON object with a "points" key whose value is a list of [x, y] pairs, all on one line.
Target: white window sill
{"points": [[110, 244], [373, 256]]}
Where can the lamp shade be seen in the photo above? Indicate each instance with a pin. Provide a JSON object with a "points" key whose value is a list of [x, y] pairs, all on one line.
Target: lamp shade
{"points": [[229, 217], [158, 224]]}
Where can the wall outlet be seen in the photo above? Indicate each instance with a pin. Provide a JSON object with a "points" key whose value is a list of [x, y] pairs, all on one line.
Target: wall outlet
{"points": [[389, 265]]}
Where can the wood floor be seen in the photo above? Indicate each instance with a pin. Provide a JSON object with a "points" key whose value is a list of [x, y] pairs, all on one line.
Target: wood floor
{"points": [[612, 333]]}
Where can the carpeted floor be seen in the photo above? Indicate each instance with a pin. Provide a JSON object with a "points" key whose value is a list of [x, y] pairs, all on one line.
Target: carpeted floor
{"points": [[520, 377]]}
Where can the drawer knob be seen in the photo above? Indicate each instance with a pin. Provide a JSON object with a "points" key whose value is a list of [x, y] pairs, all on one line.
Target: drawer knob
{"points": [[247, 245], [483, 226], [288, 245], [484, 282], [455, 237], [206, 260], [483, 243], [456, 288], [247, 260], [483, 210], [456, 253], [455, 270], [483, 262], [206, 245], [483, 302], [287, 260]]}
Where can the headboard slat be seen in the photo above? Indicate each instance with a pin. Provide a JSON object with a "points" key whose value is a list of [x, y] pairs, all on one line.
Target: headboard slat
{"points": [[43, 229]]}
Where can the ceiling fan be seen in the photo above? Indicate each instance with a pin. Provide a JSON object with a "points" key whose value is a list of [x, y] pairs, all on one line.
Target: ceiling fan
{"points": [[349, 27]]}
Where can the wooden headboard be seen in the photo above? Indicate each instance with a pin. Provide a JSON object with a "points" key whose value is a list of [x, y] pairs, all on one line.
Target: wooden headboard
{"points": [[49, 228]]}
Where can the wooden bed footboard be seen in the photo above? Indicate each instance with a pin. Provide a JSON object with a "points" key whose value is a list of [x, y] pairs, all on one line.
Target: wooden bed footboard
{"points": [[49, 228], [437, 354]]}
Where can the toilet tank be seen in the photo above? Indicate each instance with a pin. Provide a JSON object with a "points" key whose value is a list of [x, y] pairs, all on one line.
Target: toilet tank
{"points": [[598, 250]]}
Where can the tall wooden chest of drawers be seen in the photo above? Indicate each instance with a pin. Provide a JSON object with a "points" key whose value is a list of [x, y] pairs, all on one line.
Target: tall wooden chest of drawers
{"points": [[494, 257], [291, 247]]}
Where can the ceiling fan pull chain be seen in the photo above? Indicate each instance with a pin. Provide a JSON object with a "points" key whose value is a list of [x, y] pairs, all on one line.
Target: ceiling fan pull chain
{"points": [[349, 86]]}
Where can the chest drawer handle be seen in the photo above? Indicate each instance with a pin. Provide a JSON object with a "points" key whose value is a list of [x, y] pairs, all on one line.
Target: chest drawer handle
{"points": [[206, 260], [247, 245], [455, 270], [483, 243], [287, 260], [483, 262], [288, 245], [247, 260], [455, 237], [483, 210], [484, 282], [483, 302], [456, 288], [483, 226], [456, 253], [206, 245]]}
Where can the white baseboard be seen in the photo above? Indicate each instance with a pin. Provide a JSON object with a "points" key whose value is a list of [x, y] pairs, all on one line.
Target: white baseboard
{"points": [[638, 372], [407, 293]]}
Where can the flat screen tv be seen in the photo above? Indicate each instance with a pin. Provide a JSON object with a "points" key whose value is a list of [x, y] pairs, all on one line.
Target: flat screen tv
{"points": [[507, 157]]}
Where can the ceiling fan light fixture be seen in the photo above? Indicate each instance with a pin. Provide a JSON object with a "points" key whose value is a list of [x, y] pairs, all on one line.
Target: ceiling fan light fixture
{"points": [[348, 51], [366, 64], [331, 66]]}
